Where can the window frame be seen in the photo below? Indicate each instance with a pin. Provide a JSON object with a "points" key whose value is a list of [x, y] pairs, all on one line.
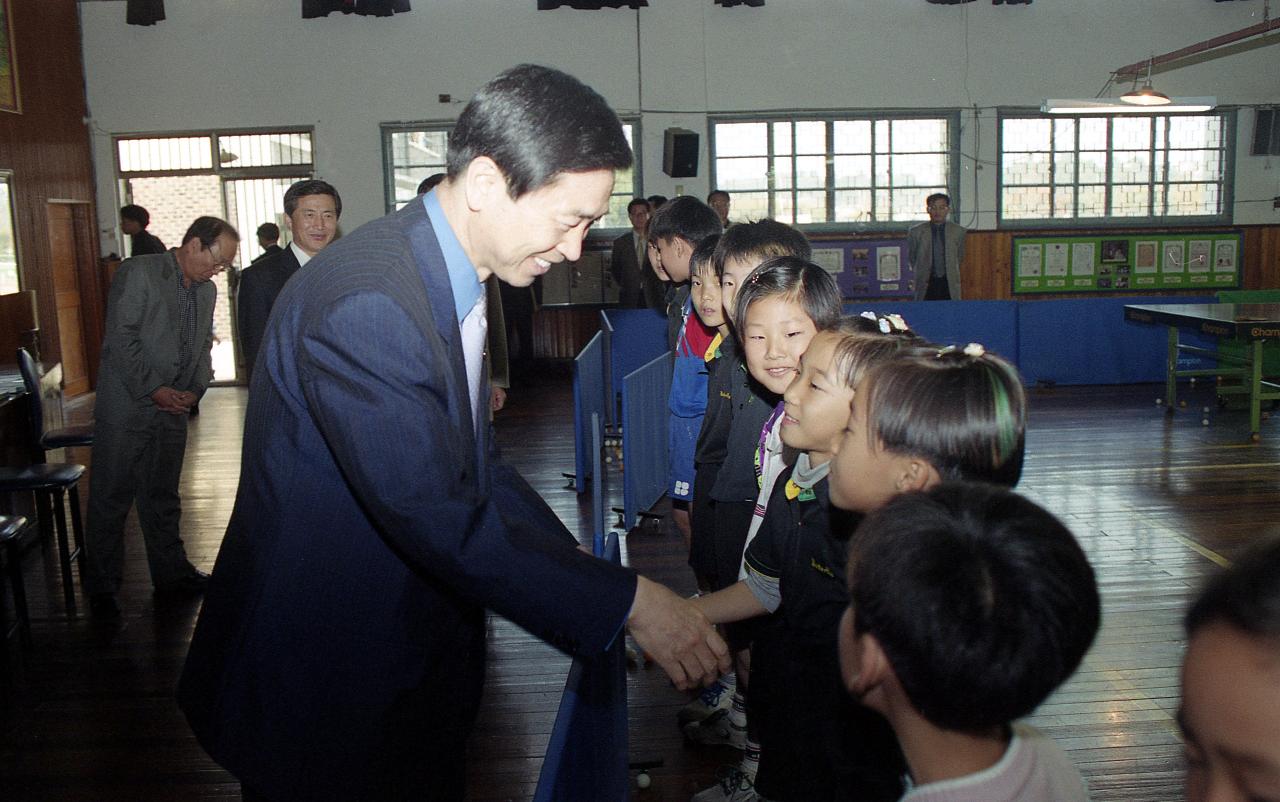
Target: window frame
{"points": [[951, 117], [265, 171], [1226, 185]]}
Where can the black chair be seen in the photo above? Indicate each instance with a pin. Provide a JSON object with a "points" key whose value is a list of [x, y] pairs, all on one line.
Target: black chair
{"points": [[11, 529], [51, 483], [47, 439]]}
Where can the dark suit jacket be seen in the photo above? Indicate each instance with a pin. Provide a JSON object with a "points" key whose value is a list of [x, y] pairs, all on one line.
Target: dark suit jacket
{"points": [[339, 654], [260, 283], [628, 272], [140, 346], [144, 242], [920, 256], [269, 251]]}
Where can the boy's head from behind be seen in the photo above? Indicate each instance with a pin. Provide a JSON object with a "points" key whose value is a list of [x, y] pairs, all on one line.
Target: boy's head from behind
{"points": [[1230, 713], [675, 230], [745, 245], [927, 416], [967, 601]]}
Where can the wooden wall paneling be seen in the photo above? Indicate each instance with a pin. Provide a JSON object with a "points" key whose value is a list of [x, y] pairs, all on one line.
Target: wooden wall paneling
{"points": [[47, 148], [561, 332]]}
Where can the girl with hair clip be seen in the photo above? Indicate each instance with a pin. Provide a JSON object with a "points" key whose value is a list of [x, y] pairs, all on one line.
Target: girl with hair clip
{"points": [[794, 571], [779, 308], [930, 416]]}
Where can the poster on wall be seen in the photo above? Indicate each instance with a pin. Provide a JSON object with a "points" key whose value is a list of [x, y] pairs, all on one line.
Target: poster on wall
{"points": [[868, 269], [9, 97], [1111, 262]]}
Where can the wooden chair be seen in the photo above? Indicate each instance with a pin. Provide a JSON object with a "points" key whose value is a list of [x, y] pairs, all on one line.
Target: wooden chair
{"points": [[47, 439]]}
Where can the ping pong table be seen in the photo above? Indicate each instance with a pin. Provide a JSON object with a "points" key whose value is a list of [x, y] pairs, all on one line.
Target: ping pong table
{"points": [[1249, 324]]}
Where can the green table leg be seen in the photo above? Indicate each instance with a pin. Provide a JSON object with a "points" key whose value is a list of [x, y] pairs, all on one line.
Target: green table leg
{"points": [[1171, 371], [1255, 389]]}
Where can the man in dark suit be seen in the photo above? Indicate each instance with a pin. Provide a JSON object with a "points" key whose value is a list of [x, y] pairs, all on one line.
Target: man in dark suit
{"points": [[340, 651], [629, 261], [312, 208], [268, 241], [155, 366], [134, 221]]}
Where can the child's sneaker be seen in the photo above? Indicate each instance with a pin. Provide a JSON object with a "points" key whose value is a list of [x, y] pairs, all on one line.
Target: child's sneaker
{"points": [[716, 730], [732, 785], [716, 696]]}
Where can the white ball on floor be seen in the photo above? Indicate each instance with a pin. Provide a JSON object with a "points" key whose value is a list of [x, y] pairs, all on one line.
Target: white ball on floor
{"points": [[643, 780], [1204, 422], [1206, 410], [1159, 401]]}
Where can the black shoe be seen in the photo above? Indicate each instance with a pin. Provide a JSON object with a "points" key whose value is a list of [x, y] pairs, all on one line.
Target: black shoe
{"points": [[103, 607], [192, 584]]}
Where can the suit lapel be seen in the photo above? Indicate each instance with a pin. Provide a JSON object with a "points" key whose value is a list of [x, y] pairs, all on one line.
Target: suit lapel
{"points": [[431, 267]]}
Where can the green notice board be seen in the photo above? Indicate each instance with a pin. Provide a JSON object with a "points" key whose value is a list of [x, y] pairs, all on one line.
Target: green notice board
{"points": [[1119, 262]]}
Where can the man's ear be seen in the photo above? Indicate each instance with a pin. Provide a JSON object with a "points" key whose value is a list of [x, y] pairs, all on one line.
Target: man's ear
{"points": [[872, 666], [482, 180]]}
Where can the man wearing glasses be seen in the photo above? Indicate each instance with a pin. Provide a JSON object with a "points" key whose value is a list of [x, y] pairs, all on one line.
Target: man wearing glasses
{"points": [[155, 366]]}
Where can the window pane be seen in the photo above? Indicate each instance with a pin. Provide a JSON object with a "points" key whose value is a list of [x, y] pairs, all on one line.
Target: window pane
{"points": [[1091, 201], [909, 203], [919, 136], [1026, 168], [1064, 168], [1194, 165], [1128, 133], [853, 206], [782, 177], [1064, 202], [1020, 203], [782, 139], [853, 171], [1195, 132], [811, 207], [811, 137], [167, 154], [853, 136], [742, 174], [750, 205], [1093, 133], [1128, 167], [783, 208], [1025, 135], [1194, 199], [919, 169], [1130, 200], [263, 150], [742, 139], [882, 136], [884, 205], [8, 244], [1093, 167], [1064, 134], [811, 171]]}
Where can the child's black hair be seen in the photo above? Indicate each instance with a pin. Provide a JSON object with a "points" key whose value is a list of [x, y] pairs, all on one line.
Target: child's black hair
{"points": [[982, 601], [794, 278], [1245, 596], [760, 240], [685, 217]]}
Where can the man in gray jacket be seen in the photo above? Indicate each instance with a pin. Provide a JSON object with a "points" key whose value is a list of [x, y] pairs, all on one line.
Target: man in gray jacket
{"points": [[155, 366], [935, 250]]}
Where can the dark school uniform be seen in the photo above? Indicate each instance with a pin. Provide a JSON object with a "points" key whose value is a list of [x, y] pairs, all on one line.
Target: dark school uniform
{"points": [[817, 743], [709, 454]]}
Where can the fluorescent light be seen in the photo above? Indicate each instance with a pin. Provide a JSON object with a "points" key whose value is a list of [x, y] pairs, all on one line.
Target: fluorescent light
{"points": [[1110, 106]]}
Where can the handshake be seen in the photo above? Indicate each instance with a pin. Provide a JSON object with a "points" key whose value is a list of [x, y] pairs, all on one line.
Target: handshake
{"points": [[677, 636]]}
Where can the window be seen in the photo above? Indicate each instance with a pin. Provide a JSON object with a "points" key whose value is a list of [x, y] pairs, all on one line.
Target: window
{"points": [[412, 152], [1121, 168], [240, 176], [847, 169], [8, 238]]}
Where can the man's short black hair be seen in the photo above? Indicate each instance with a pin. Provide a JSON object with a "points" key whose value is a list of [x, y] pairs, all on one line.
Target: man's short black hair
{"points": [[1246, 596], [535, 123], [656, 201], [269, 231], [717, 192], [760, 240], [135, 213], [637, 202], [942, 196], [430, 182], [313, 186], [207, 230], [982, 601], [685, 217]]}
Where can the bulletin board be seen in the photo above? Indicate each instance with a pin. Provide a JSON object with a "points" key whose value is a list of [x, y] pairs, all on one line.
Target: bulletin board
{"points": [[1120, 262], [867, 268]]}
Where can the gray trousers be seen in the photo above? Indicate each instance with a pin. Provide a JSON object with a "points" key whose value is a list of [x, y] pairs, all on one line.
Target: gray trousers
{"points": [[138, 459]]}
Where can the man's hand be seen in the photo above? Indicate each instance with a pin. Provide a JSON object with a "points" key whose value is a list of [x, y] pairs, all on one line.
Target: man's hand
{"points": [[175, 402], [676, 636], [497, 399]]}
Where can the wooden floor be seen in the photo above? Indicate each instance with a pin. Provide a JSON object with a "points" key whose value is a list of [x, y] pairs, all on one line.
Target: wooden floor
{"points": [[1156, 502]]}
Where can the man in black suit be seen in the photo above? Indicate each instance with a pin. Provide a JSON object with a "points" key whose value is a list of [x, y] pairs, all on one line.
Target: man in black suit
{"points": [[629, 262], [312, 208], [134, 221], [340, 651], [268, 241]]}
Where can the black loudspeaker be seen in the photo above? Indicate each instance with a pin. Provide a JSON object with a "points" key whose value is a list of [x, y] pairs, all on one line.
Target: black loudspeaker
{"points": [[680, 153], [1266, 133]]}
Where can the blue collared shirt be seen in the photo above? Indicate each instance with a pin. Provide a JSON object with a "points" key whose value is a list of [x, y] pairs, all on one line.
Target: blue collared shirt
{"points": [[462, 274]]}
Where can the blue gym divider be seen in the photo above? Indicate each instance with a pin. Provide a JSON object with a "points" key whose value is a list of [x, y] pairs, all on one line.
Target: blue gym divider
{"points": [[589, 398], [645, 394], [632, 338], [992, 323]]}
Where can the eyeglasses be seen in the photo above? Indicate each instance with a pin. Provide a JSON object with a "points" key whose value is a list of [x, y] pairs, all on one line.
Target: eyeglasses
{"points": [[218, 262]]}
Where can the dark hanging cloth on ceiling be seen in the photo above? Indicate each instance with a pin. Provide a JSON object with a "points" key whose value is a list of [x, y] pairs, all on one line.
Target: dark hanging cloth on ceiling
{"points": [[143, 12], [370, 8], [587, 5]]}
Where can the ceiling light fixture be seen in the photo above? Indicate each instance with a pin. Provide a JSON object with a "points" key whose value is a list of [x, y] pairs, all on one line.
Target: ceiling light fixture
{"points": [[1145, 96], [1110, 106]]}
